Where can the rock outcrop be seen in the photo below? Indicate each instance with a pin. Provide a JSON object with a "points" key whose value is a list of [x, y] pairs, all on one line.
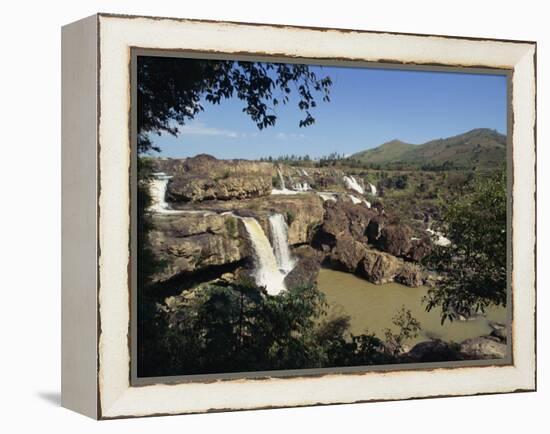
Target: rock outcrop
{"points": [[352, 237], [432, 351], [303, 214], [379, 267], [483, 347], [343, 220], [192, 242], [206, 178], [306, 270]]}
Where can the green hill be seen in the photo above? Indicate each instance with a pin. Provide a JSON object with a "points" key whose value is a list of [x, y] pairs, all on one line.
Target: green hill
{"points": [[479, 148], [387, 152]]}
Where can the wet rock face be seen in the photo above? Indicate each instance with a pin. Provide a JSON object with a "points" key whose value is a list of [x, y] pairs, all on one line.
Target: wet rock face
{"points": [[303, 214], [190, 243], [206, 178]]}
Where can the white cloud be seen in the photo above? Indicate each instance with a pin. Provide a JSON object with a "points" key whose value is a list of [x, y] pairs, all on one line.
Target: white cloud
{"points": [[200, 129], [289, 136]]}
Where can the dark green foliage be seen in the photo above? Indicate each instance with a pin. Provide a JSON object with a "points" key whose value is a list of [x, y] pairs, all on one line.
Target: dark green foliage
{"points": [[408, 329], [474, 268], [241, 328], [290, 217], [399, 182], [147, 265], [232, 227], [170, 91]]}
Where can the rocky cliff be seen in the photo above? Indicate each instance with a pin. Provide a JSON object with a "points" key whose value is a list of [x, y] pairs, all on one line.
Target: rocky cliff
{"points": [[360, 240], [189, 243], [204, 232]]}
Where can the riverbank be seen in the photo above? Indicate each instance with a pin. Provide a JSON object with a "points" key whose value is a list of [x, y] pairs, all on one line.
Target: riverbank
{"points": [[371, 307]]}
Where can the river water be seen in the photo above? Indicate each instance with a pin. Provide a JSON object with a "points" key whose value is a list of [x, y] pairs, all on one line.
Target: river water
{"points": [[373, 306]]}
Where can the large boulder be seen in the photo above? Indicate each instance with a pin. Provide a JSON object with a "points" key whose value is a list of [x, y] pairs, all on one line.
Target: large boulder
{"points": [[433, 351], [306, 269], [191, 243], [420, 248], [483, 347], [348, 253], [395, 239], [343, 219], [374, 228], [379, 267], [206, 178]]}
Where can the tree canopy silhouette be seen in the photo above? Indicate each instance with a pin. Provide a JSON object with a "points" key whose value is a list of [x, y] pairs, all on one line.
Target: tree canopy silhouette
{"points": [[170, 91]]}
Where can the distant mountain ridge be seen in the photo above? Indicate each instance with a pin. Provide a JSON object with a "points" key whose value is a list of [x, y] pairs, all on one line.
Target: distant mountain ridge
{"points": [[478, 148]]}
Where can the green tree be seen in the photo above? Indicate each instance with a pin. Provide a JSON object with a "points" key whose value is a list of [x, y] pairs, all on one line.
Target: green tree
{"points": [[240, 327], [473, 268], [170, 91]]}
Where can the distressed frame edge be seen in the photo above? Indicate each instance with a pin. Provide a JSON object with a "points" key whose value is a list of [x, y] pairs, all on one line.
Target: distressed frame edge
{"points": [[79, 141], [530, 387], [136, 381]]}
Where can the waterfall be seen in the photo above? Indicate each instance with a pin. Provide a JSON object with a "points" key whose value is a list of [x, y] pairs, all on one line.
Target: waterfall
{"points": [[279, 234], [372, 189], [304, 186], [352, 184], [267, 272], [281, 179], [356, 200], [157, 189], [290, 179]]}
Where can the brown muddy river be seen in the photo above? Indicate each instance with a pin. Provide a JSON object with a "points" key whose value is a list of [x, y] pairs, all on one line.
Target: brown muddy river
{"points": [[372, 307]]}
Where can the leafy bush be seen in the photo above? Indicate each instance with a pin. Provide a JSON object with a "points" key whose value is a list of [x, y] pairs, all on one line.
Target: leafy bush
{"points": [[474, 267], [240, 327]]}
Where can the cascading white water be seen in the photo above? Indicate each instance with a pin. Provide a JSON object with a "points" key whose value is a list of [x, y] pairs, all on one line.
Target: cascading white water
{"points": [[157, 189], [439, 239], [356, 200], [279, 234], [327, 195], [304, 186], [352, 184], [281, 179], [283, 189], [291, 179], [297, 187], [267, 272], [372, 189]]}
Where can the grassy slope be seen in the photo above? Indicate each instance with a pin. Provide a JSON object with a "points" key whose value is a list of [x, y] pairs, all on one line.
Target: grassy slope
{"points": [[482, 148], [387, 152]]}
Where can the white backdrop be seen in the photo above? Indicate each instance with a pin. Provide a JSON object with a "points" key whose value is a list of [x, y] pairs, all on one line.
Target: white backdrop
{"points": [[30, 216]]}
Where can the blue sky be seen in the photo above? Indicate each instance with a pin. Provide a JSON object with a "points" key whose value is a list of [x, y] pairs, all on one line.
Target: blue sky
{"points": [[368, 107]]}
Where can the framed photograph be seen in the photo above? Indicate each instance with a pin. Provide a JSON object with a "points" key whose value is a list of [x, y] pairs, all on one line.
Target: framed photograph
{"points": [[261, 216]]}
